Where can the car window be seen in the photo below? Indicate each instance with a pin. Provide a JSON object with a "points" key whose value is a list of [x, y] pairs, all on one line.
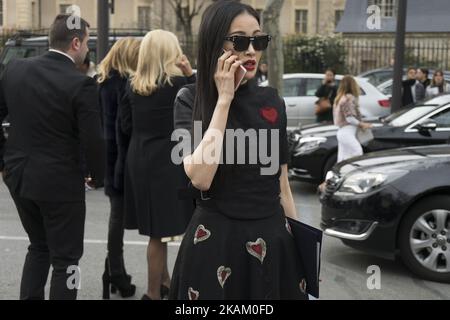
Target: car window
{"points": [[18, 52], [362, 92], [311, 86], [411, 115], [442, 118], [387, 90], [291, 87], [379, 77]]}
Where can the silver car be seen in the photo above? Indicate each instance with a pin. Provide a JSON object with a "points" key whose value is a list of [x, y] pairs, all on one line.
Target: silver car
{"points": [[299, 91]]}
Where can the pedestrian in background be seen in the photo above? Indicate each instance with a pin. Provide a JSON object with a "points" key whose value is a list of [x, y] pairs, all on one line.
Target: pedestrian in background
{"points": [[327, 94], [263, 73], [408, 88], [152, 180], [422, 84], [53, 110], [114, 72], [347, 117], [438, 85]]}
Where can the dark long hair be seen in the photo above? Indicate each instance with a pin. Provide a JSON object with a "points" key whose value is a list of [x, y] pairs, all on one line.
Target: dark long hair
{"points": [[216, 22]]}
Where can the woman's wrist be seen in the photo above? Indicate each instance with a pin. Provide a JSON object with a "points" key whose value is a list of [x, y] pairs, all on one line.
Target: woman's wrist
{"points": [[188, 72], [224, 100]]}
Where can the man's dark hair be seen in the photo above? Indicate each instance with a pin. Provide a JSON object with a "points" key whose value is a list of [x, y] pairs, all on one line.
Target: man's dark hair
{"points": [[61, 33], [425, 71], [331, 70]]}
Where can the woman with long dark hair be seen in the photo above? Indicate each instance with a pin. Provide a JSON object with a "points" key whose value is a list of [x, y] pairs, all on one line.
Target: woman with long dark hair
{"points": [[238, 244], [438, 85]]}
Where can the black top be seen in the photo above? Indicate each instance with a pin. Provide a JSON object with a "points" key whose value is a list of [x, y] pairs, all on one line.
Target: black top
{"points": [[328, 91], [152, 179], [110, 92], [242, 191], [53, 110], [407, 96]]}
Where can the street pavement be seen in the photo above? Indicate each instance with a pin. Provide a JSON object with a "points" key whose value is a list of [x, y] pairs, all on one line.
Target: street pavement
{"points": [[344, 270]]}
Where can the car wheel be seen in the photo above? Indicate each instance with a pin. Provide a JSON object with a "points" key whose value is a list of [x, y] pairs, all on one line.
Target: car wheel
{"points": [[424, 239], [331, 162]]}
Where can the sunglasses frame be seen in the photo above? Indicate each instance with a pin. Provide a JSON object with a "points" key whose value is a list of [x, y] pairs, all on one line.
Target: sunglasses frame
{"points": [[251, 40]]}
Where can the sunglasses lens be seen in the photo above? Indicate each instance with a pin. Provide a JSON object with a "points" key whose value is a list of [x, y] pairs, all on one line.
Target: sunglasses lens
{"points": [[241, 43], [261, 43]]}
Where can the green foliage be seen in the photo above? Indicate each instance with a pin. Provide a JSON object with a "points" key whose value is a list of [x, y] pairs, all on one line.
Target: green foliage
{"points": [[314, 54]]}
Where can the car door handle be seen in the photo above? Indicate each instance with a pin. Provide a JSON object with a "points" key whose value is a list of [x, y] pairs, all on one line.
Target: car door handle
{"points": [[292, 105]]}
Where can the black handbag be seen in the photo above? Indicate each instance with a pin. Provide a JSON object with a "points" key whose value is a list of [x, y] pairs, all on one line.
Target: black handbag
{"points": [[308, 241]]}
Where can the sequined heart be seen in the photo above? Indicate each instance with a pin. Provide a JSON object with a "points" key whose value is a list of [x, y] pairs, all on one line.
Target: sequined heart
{"points": [[201, 234], [258, 249], [303, 286], [193, 295], [270, 114], [223, 274]]}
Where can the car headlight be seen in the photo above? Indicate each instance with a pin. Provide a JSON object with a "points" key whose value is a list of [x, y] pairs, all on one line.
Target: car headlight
{"points": [[364, 182], [307, 144]]}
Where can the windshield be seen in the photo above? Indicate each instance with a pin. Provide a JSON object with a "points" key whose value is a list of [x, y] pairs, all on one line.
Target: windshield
{"points": [[405, 117], [18, 52]]}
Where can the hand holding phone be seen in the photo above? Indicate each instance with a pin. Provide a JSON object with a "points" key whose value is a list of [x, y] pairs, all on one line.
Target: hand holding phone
{"points": [[227, 78], [239, 75]]}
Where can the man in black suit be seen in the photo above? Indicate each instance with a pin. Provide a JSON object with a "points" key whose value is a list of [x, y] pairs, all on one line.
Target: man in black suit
{"points": [[53, 111]]}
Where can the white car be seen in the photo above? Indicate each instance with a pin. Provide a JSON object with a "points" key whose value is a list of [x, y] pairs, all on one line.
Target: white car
{"points": [[299, 93]]}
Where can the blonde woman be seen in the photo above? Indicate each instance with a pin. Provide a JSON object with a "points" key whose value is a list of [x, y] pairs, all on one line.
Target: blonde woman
{"points": [[152, 180], [347, 117], [114, 71]]}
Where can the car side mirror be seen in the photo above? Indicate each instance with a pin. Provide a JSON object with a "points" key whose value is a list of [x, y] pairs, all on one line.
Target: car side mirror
{"points": [[427, 126]]}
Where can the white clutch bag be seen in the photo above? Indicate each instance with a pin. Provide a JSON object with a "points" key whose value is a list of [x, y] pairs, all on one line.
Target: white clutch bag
{"points": [[364, 136]]}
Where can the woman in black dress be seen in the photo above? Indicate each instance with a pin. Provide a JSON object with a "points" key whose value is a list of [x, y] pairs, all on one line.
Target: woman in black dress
{"points": [[152, 180], [238, 244], [114, 71]]}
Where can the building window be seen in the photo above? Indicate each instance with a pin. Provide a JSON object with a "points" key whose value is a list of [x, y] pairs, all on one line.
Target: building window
{"points": [[63, 8], [144, 17], [388, 7], [301, 21], [338, 16], [1, 12]]}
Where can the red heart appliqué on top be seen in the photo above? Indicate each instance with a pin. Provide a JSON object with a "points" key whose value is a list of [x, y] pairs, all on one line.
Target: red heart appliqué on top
{"points": [[270, 114]]}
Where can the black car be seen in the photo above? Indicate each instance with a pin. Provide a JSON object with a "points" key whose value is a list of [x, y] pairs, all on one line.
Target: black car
{"points": [[394, 202], [315, 151], [26, 46]]}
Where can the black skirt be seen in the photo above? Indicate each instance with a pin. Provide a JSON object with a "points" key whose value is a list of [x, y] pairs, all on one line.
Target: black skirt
{"points": [[232, 259]]}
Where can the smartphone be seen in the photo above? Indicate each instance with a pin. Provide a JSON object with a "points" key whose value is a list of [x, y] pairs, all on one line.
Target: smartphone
{"points": [[239, 75]]}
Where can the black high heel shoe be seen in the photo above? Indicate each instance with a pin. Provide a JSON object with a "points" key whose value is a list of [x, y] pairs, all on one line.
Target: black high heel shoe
{"points": [[121, 283]]}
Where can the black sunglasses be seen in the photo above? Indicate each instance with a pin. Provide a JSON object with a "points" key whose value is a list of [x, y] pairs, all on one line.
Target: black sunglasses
{"points": [[241, 43]]}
